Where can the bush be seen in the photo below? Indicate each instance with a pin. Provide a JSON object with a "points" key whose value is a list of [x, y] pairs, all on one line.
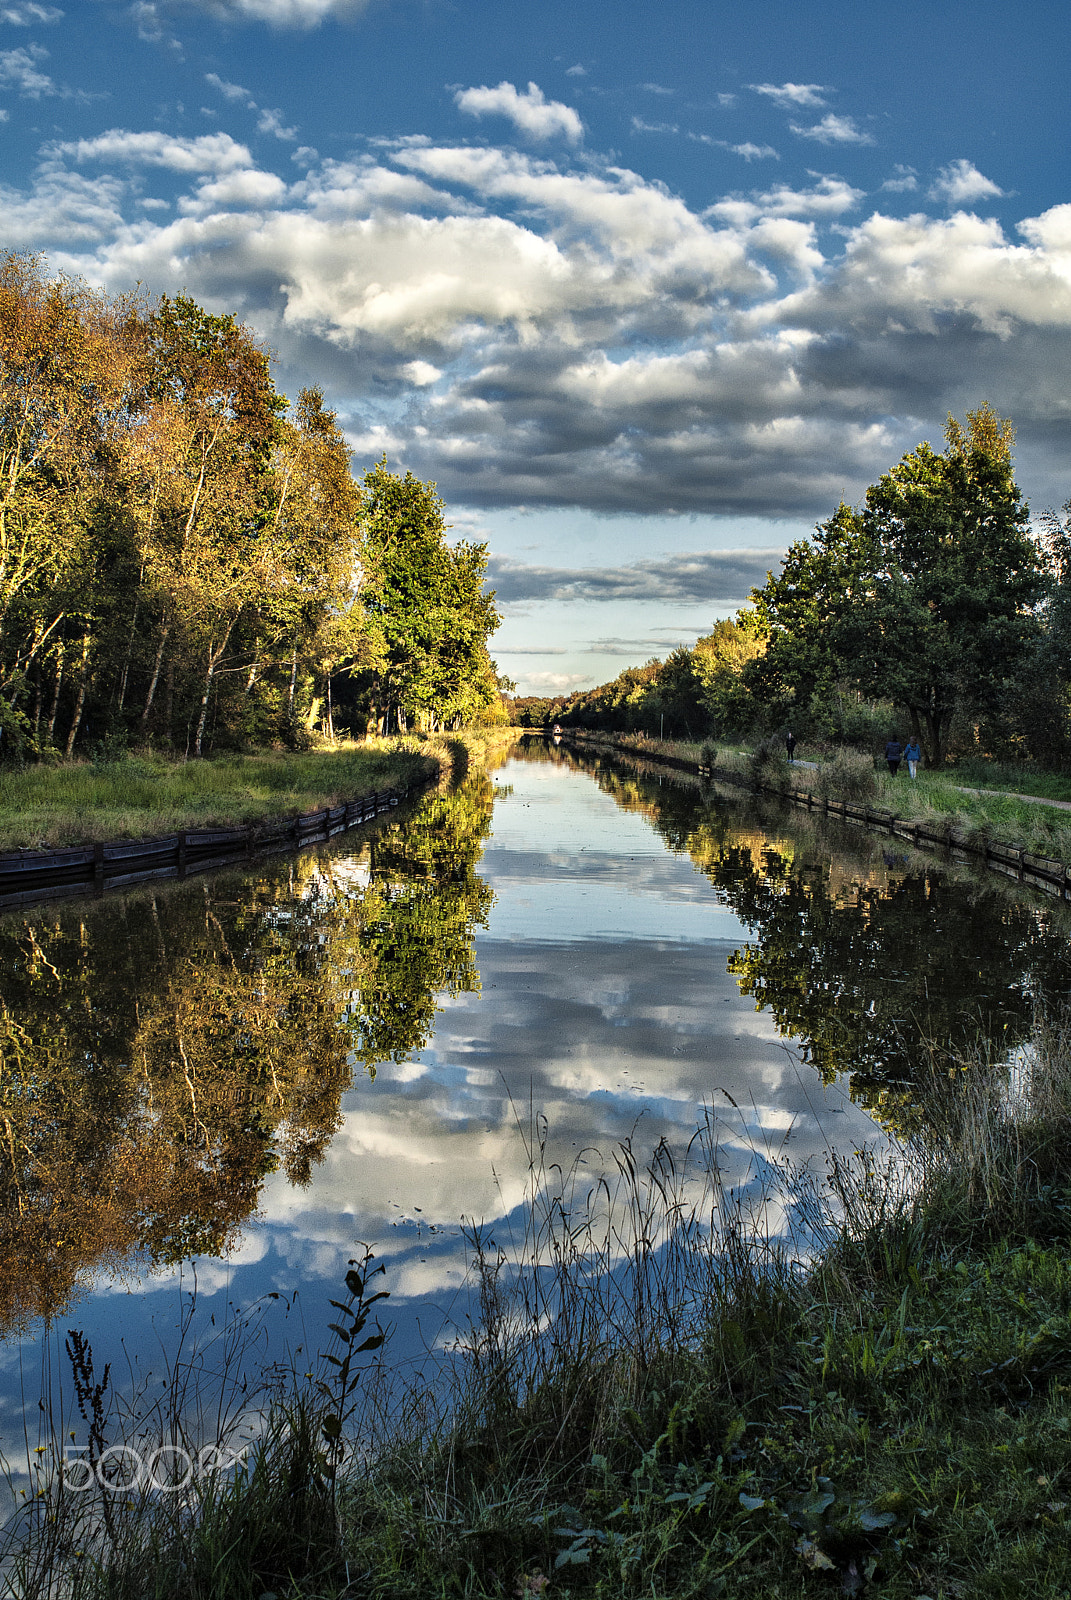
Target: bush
{"points": [[769, 765], [850, 776], [17, 745]]}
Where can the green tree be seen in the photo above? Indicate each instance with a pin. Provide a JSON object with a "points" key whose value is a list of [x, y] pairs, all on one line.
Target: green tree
{"points": [[721, 658], [926, 597], [426, 614], [802, 612], [950, 609]]}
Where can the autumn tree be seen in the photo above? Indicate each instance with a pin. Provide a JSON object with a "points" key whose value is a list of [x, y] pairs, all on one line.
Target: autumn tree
{"points": [[70, 379]]}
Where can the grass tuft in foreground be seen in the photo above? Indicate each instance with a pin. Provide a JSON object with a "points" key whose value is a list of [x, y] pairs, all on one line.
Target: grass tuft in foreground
{"points": [[664, 1396]]}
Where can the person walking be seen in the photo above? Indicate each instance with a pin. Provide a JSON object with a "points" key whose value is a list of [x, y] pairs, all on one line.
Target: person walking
{"points": [[913, 755], [893, 755], [790, 743]]}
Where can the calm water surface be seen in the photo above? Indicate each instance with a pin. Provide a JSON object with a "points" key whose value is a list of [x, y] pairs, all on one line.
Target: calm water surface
{"points": [[237, 1077]]}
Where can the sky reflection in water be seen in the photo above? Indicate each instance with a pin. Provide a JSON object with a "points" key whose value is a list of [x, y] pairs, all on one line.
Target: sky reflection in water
{"points": [[612, 971]]}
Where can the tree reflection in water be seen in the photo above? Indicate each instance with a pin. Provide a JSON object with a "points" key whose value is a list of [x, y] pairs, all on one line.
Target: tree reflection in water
{"points": [[163, 1052], [866, 956]]}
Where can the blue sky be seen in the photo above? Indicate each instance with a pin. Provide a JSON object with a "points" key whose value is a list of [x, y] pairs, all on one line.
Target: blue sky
{"points": [[645, 290]]}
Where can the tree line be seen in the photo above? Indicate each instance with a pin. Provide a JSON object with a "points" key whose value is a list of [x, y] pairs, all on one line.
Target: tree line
{"points": [[933, 606], [187, 560]]}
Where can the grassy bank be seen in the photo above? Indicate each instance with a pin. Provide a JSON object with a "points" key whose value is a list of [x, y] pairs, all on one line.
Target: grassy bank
{"points": [[660, 1400], [931, 797], [144, 796]]}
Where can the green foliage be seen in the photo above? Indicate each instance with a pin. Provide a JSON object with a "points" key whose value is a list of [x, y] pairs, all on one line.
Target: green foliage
{"points": [[925, 597], [427, 618]]}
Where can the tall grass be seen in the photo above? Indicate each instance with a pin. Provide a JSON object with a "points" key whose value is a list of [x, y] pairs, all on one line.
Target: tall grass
{"points": [[145, 795], [845, 1382]]}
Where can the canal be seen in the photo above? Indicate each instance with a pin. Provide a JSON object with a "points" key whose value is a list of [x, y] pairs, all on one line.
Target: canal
{"points": [[222, 1087]]}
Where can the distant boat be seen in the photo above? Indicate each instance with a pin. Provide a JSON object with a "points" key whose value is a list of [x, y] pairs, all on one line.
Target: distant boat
{"points": [[557, 730]]}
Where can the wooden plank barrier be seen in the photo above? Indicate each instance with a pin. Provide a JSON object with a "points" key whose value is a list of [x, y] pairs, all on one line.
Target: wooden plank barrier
{"points": [[24, 873]]}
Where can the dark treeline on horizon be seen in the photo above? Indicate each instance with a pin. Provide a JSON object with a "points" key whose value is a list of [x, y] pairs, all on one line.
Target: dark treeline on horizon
{"points": [[932, 609], [186, 561]]}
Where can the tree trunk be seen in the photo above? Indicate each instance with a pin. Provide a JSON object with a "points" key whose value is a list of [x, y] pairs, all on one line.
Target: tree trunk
{"points": [[169, 700], [56, 693], [198, 736], [156, 675], [79, 705], [215, 656], [129, 650], [330, 712], [293, 682]]}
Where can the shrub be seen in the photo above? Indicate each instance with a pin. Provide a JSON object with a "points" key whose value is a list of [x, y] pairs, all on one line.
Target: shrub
{"points": [[769, 765], [17, 744], [850, 776]]}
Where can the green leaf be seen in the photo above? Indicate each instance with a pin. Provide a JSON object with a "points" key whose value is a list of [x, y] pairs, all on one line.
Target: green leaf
{"points": [[752, 1502], [870, 1521]]}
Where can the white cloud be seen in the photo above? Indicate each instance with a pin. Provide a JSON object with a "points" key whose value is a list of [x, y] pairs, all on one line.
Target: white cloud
{"points": [[960, 182], [554, 334], [64, 209], [556, 682], [272, 122], [230, 91], [530, 112], [576, 72], [208, 152], [833, 130], [906, 274], [28, 14], [19, 70], [903, 181], [639, 126], [755, 152], [792, 96], [642, 233], [281, 13], [829, 197], [235, 189], [421, 373]]}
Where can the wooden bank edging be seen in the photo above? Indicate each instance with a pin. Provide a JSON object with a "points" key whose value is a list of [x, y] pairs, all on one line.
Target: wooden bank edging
{"points": [[31, 874], [1013, 861]]}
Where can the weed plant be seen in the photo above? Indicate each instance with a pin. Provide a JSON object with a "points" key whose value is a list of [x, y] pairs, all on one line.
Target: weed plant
{"points": [[849, 775]]}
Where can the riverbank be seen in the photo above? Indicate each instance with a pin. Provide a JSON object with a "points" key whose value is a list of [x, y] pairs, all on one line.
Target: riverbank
{"points": [[145, 796], [708, 1418], [980, 819]]}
